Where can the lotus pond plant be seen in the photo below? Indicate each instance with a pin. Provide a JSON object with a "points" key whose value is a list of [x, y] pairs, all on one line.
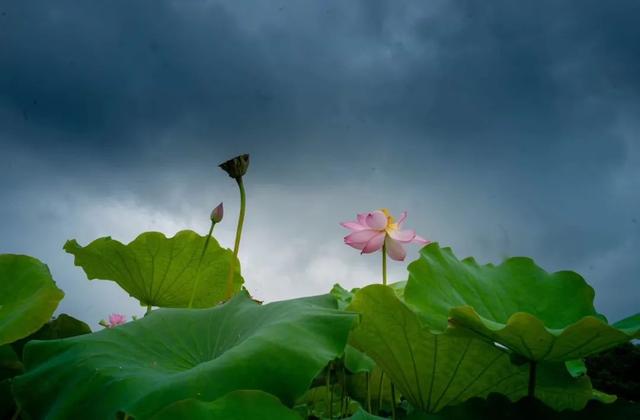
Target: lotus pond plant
{"points": [[378, 231], [455, 339], [236, 168], [113, 321], [216, 217]]}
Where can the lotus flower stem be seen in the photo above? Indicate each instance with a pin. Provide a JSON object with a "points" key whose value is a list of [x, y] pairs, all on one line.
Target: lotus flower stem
{"points": [[16, 415], [236, 247], [393, 401], [330, 391], [148, 310], [380, 392], [343, 395], [384, 264], [204, 250], [532, 379], [368, 378]]}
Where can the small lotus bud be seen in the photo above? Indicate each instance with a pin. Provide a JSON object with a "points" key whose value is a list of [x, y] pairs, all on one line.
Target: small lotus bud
{"points": [[237, 166], [217, 213]]}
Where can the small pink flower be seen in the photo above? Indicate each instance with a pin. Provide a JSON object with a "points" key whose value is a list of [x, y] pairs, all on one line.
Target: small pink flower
{"points": [[116, 319], [217, 213], [372, 230]]}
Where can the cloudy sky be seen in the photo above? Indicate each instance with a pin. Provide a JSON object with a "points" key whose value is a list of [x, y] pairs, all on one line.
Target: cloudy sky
{"points": [[504, 128]]}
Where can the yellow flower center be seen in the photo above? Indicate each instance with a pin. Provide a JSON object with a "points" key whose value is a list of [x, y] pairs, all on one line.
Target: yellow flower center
{"points": [[391, 225]]}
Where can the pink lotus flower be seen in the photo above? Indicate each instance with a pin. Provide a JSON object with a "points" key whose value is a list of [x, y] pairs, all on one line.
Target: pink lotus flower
{"points": [[373, 230], [116, 319]]}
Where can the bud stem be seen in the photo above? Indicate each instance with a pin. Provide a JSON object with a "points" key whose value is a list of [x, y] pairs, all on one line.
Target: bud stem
{"points": [[236, 247], [204, 250], [206, 242]]}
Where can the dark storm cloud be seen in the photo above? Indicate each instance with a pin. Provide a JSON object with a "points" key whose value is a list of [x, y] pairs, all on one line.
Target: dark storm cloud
{"points": [[519, 117], [104, 73], [508, 75]]}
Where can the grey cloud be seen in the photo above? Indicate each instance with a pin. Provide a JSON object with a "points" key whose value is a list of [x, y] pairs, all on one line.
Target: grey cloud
{"points": [[505, 129]]}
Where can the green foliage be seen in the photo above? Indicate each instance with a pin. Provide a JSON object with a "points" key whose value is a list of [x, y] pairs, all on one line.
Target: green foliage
{"points": [[7, 406], [539, 315], [10, 354], [629, 325], [617, 371], [10, 365], [177, 354], [316, 401], [161, 271], [456, 333], [379, 390], [62, 326], [356, 361], [363, 415], [436, 369], [243, 404], [28, 296], [498, 407], [342, 295], [576, 367]]}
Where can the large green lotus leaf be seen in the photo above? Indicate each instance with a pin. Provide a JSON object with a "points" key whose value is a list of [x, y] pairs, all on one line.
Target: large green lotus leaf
{"points": [[11, 364], [161, 271], [629, 325], [435, 369], [62, 326], [177, 354], [245, 405], [28, 296], [344, 296], [540, 315]]}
